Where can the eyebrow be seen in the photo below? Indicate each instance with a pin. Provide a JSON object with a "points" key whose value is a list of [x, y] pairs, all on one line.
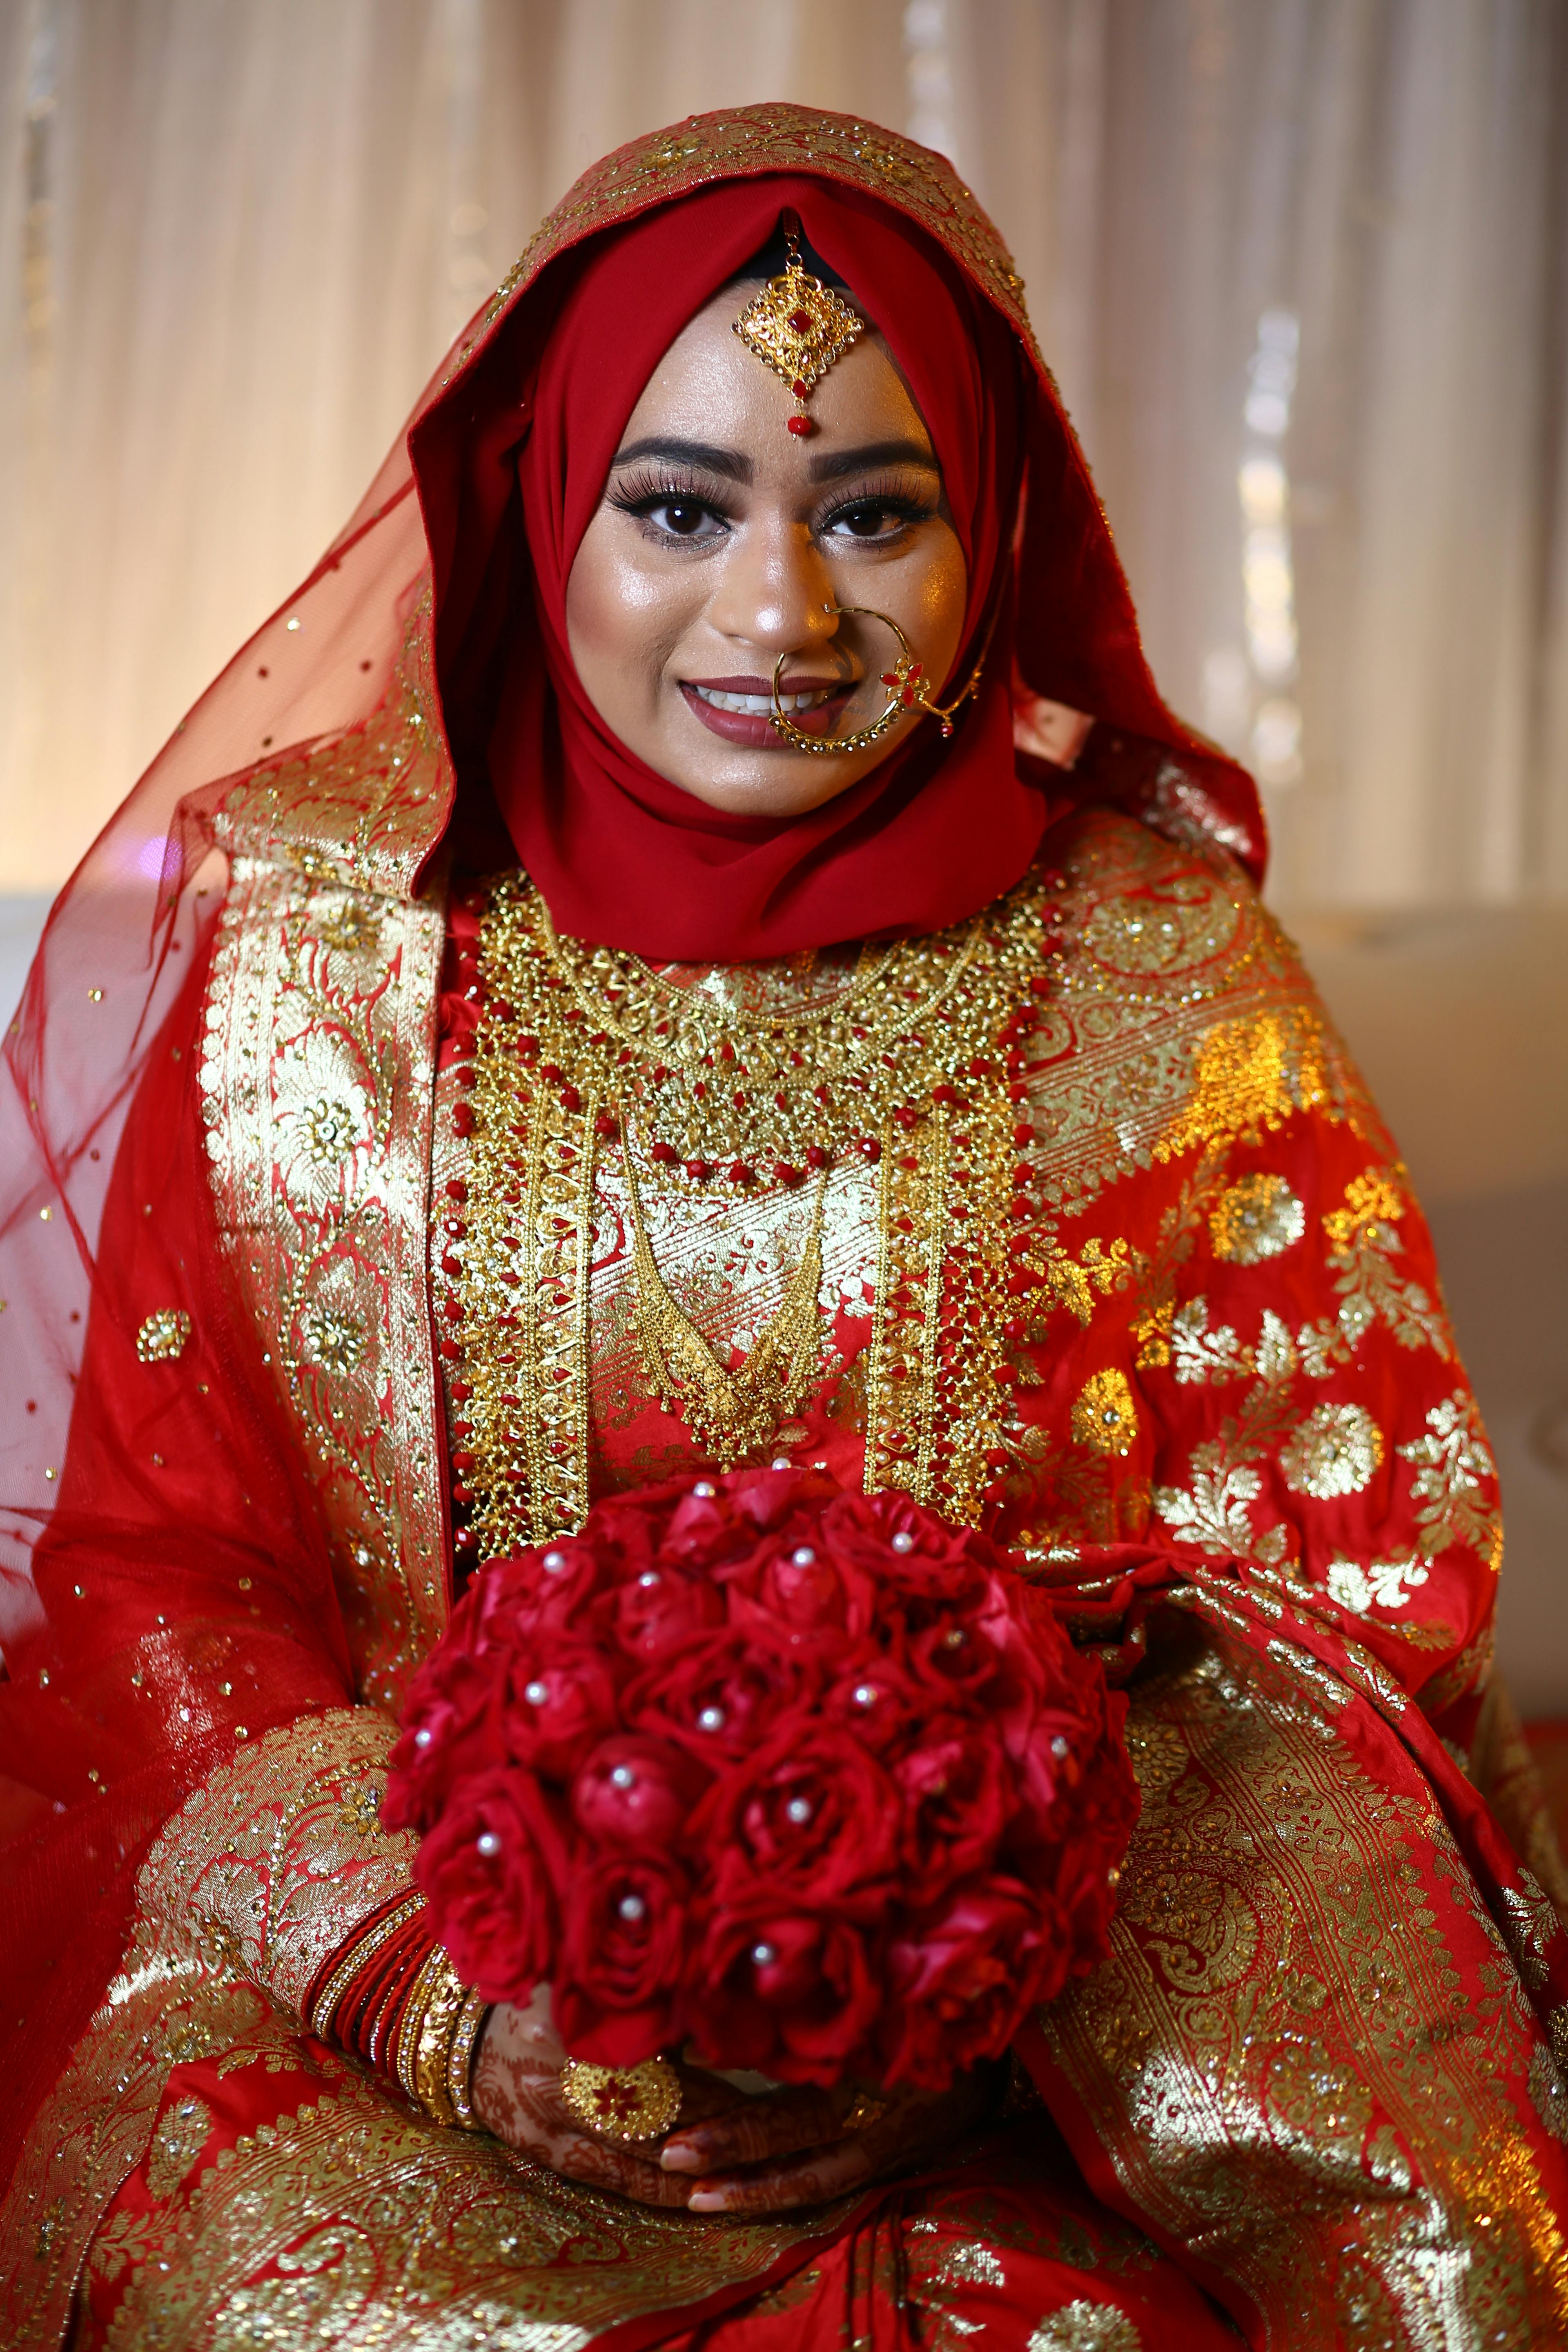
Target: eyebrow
{"points": [[701, 455], [730, 464]]}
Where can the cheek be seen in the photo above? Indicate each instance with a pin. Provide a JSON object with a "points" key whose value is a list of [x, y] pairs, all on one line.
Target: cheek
{"points": [[624, 613]]}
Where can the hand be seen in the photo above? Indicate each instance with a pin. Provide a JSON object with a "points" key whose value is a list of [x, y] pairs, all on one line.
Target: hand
{"points": [[790, 2146], [517, 2095]]}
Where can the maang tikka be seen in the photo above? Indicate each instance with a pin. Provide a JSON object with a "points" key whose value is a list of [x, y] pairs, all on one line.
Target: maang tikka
{"points": [[797, 326]]}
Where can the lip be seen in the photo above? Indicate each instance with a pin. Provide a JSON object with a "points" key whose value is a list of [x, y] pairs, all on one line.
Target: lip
{"points": [[756, 728]]}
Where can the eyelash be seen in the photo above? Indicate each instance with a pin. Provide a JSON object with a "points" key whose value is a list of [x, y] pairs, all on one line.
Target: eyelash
{"points": [[643, 494]]}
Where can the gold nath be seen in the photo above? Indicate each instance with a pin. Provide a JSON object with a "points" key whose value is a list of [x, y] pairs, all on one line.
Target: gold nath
{"points": [[798, 327]]}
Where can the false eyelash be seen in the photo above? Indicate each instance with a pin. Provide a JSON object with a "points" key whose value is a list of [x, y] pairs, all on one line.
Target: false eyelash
{"points": [[892, 493], [649, 490]]}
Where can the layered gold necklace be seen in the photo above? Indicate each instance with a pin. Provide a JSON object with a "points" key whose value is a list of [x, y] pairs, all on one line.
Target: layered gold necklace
{"points": [[907, 1063]]}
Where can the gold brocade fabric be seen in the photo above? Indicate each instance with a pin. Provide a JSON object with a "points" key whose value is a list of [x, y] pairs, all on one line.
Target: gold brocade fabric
{"points": [[1286, 2060]]}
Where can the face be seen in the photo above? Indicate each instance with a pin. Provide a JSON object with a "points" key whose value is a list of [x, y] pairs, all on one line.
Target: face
{"points": [[720, 542]]}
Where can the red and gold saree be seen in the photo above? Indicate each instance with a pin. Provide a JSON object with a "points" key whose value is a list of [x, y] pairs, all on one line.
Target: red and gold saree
{"points": [[1154, 1302]]}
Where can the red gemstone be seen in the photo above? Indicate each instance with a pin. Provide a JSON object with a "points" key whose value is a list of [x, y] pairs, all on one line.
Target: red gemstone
{"points": [[800, 424], [801, 321]]}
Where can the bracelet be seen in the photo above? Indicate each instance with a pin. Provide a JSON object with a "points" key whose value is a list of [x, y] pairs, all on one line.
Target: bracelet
{"points": [[460, 2060], [324, 2006], [436, 2043]]}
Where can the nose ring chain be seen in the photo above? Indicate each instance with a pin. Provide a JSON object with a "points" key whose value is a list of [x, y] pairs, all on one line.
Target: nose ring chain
{"points": [[909, 689]]}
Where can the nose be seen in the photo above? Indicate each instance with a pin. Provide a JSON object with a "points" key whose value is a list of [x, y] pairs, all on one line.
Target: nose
{"points": [[774, 589]]}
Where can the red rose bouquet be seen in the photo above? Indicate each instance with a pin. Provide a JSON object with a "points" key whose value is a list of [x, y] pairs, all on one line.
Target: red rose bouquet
{"points": [[808, 1781]]}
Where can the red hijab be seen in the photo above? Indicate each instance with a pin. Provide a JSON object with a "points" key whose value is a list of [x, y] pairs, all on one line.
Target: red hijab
{"points": [[938, 828]]}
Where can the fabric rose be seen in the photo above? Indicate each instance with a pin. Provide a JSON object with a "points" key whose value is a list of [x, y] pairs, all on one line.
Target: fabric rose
{"points": [[554, 1702], [721, 1693], [493, 1870], [623, 1950], [792, 1995], [634, 1792], [812, 1813], [452, 1731]]}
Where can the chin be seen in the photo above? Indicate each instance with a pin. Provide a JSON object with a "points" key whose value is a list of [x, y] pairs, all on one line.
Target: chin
{"points": [[782, 784]]}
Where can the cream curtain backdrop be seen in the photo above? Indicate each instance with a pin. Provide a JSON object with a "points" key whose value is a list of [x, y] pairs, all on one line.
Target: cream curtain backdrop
{"points": [[236, 234], [1301, 266]]}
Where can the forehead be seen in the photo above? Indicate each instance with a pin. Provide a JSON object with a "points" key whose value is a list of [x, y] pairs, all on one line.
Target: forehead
{"points": [[707, 386]]}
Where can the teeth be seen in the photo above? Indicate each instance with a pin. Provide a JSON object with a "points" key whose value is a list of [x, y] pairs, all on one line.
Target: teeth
{"points": [[757, 706]]}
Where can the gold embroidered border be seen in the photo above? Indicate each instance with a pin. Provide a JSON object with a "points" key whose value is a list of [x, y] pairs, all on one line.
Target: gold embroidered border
{"points": [[1281, 1977], [316, 1098], [278, 1856]]}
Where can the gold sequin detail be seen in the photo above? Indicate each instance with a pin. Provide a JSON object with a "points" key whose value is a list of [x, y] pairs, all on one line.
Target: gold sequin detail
{"points": [[1084, 2326], [1255, 1219], [162, 1338], [1334, 1450], [1104, 1415]]}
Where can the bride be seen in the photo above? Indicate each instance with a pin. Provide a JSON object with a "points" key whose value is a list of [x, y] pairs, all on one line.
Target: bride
{"points": [[694, 938]]}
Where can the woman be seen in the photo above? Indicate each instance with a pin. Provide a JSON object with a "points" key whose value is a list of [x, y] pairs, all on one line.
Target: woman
{"points": [[640, 1019]]}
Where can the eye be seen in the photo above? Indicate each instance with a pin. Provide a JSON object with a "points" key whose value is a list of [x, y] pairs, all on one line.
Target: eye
{"points": [[670, 513], [877, 516], [682, 518]]}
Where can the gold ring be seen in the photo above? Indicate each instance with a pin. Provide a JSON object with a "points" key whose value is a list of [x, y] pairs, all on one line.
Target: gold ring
{"points": [[864, 2112], [623, 2102]]}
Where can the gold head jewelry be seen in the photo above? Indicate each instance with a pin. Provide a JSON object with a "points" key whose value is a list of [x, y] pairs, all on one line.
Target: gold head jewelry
{"points": [[908, 690], [798, 327]]}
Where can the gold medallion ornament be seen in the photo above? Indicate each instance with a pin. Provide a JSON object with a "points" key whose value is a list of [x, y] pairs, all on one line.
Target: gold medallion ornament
{"points": [[623, 2102], [798, 327]]}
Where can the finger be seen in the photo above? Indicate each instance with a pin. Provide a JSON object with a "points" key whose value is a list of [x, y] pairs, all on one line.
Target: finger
{"points": [[777, 2123], [808, 2180], [596, 2165]]}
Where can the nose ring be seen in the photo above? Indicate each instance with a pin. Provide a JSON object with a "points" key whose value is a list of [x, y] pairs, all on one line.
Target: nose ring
{"points": [[908, 691]]}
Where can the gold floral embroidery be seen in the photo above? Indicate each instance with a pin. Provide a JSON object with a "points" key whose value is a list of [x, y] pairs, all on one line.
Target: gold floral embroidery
{"points": [[351, 2219], [1255, 1219], [1104, 1415], [1283, 1971], [1380, 1584], [1455, 1482], [277, 1855], [1335, 1450], [1083, 2327], [183, 2131], [320, 1024], [1363, 1244]]}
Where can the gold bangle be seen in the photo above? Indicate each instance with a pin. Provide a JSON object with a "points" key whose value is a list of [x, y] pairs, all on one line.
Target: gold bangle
{"points": [[623, 2102], [324, 2010], [460, 2060], [432, 2044]]}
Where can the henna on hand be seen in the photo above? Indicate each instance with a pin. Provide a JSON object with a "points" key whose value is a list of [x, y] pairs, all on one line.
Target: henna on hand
{"points": [[517, 2095], [916, 2125]]}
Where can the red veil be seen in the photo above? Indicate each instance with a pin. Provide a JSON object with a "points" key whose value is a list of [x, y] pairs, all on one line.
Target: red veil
{"points": [[142, 1537]]}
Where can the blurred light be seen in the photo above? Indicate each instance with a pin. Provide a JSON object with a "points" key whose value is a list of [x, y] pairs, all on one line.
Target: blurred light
{"points": [[468, 220], [1270, 729], [1277, 741], [1263, 486], [150, 858]]}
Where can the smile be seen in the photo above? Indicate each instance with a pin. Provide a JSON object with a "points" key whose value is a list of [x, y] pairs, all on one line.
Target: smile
{"points": [[757, 706]]}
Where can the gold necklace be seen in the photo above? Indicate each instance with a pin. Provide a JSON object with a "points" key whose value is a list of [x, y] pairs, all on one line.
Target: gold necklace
{"points": [[730, 1413], [732, 1097], [914, 1063]]}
